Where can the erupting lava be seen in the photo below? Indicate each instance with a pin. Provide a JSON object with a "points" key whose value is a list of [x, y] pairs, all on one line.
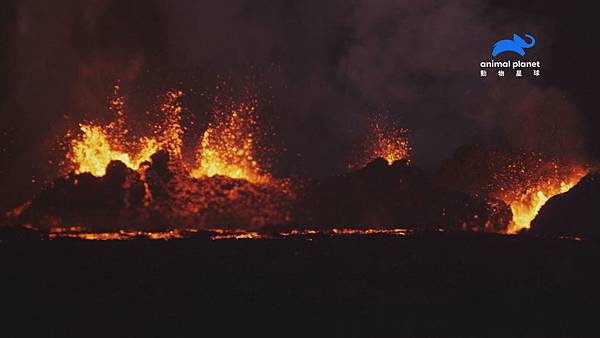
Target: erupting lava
{"points": [[526, 206], [227, 147], [225, 185], [390, 140], [386, 140], [524, 181], [527, 185], [94, 150], [98, 145]]}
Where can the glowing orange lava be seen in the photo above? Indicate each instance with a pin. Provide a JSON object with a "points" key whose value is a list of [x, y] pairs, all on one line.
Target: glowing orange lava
{"points": [[97, 145], [170, 132], [391, 147], [228, 147], [81, 233], [526, 206], [94, 150], [533, 186], [390, 143], [386, 140], [214, 234]]}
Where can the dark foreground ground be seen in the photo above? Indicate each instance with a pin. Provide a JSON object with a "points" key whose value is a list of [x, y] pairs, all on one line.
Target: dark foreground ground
{"points": [[425, 285]]}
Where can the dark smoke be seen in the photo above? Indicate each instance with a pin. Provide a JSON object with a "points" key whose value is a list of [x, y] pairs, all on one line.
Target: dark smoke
{"points": [[530, 118], [320, 68]]}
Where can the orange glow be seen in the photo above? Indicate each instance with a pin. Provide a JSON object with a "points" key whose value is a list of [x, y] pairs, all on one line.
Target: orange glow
{"points": [[228, 147], [533, 186], [239, 235], [526, 206], [94, 150], [170, 132], [390, 141], [97, 145], [18, 211], [224, 183], [214, 234], [386, 140], [80, 233], [397, 232]]}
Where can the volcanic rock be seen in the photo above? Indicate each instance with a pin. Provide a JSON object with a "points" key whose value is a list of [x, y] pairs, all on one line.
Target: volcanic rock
{"points": [[85, 199], [18, 234], [574, 213], [397, 195], [159, 195], [162, 194]]}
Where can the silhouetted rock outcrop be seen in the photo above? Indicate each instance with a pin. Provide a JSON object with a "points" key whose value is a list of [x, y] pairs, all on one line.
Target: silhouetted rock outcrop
{"points": [[162, 194], [19, 234], [397, 195], [574, 213], [85, 199], [166, 196]]}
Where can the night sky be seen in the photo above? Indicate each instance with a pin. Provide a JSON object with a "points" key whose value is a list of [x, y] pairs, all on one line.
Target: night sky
{"points": [[319, 68]]}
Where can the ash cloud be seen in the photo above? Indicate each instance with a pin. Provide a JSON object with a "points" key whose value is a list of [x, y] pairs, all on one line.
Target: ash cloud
{"points": [[530, 118], [408, 50], [323, 68]]}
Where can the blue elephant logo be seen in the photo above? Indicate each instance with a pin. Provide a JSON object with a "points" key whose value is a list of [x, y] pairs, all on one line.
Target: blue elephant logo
{"points": [[516, 45]]}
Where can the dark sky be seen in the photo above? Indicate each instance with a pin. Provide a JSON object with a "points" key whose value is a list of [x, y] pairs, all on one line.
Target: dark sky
{"points": [[319, 68]]}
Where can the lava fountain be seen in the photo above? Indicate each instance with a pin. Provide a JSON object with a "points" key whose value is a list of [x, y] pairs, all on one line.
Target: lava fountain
{"points": [[527, 184], [386, 139], [228, 146], [225, 184], [95, 146], [524, 181]]}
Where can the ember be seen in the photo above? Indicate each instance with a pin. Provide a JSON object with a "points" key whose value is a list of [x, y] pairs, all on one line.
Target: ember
{"points": [[524, 181], [115, 178], [96, 146], [228, 145], [386, 139], [525, 202], [94, 150], [147, 180]]}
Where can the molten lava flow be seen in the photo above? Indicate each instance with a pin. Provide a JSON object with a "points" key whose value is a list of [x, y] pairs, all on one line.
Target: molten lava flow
{"points": [[94, 150], [526, 206], [527, 185], [386, 140], [98, 145], [228, 147], [82, 233], [522, 181]]}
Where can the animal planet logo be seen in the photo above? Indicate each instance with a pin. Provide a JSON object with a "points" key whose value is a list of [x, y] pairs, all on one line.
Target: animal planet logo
{"points": [[517, 45]]}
